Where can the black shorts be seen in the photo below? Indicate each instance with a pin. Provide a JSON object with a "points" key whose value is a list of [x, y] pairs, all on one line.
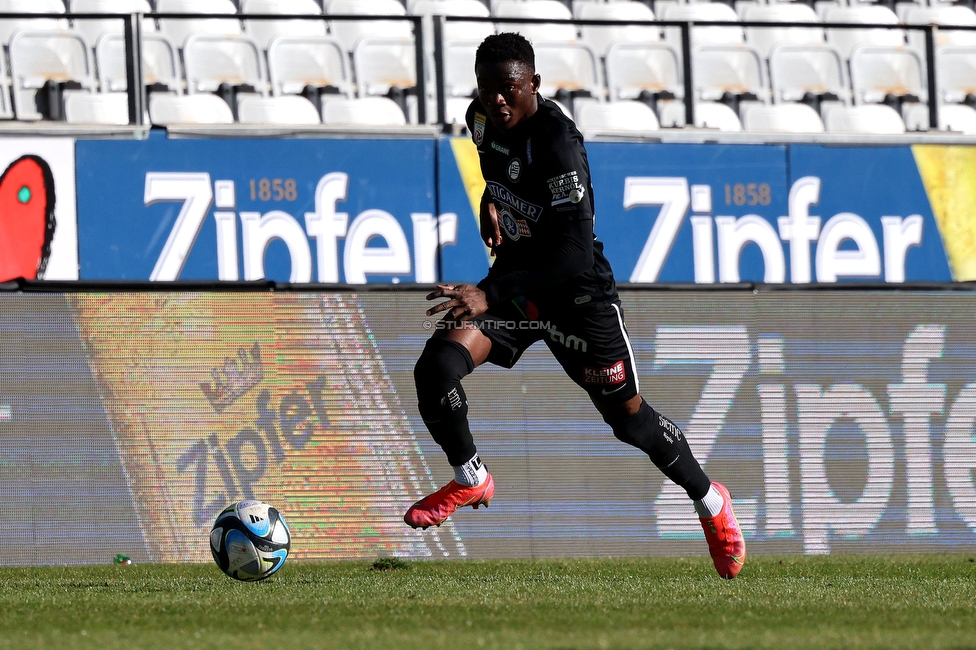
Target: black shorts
{"points": [[589, 341]]}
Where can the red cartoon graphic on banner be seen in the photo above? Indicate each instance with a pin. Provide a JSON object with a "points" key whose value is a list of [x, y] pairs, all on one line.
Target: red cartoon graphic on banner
{"points": [[27, 219]]}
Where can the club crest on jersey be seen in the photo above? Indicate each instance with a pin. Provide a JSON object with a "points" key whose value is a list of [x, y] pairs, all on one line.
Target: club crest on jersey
{"points": [[479, 127], [509, 225], [514, 169], [506, 197], [514, 228]]}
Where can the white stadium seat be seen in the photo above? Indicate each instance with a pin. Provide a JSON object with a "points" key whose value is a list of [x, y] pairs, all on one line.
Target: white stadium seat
{"points": [[823, 6], [384, 63], [10, 25], [213, 60], [40, 58], [285, 111], [944, 16], [160, 63], [956, 118], [956, 73], [846, 40], [263, 31], [569, 67], [167, 110], [350, 32], [881, 72], [92, 30], [365, 111], [876, 119], [179, 29], [456, 31], [796, 71], [537, 32], [721, 70], [708, 115], [616, 116], [295, 63], [765, 38], [459, 80], [635, 68], [781, 118], [97, 108], [455, 110], [600, 38], [703, 11]]}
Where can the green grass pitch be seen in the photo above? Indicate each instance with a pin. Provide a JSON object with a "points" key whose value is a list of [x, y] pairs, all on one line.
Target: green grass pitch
{"points": [[788, 602]]}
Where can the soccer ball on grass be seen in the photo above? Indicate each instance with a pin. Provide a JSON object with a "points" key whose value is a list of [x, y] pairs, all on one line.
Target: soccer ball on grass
{"points": [[250, 540]]}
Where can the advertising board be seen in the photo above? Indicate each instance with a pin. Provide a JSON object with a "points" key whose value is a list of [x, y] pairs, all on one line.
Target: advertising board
{"points": [[842, 422], [357, 211], [723, 213], [288, 210]]}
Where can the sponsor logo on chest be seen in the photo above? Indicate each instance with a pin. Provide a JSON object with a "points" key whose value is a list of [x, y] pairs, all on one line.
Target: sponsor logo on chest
{"points": [[506, 197]]}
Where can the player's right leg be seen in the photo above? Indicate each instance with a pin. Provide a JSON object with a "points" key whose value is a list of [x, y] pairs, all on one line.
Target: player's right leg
{"points": [[448, 357]]}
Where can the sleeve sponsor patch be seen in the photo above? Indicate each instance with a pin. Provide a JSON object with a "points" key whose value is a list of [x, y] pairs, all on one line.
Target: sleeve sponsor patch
{"points": [[566, 188]]}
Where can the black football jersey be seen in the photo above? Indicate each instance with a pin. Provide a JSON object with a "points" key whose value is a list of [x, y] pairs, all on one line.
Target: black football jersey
{"points": [[538, 177]]}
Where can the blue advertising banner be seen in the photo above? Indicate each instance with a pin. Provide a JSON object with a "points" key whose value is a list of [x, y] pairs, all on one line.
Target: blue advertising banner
{"points": [[402, 210], [873, 217], [720, 213], [286, 210], [658, 207]]}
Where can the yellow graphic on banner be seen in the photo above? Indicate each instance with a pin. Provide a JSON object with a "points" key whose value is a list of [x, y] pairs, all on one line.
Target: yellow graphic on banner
{"points": [[469, 166], [948, 176], [217, 397]]}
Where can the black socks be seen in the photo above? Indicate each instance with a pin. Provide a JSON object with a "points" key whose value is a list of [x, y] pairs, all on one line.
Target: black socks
{"points": [[665, 444], [441, 400]]}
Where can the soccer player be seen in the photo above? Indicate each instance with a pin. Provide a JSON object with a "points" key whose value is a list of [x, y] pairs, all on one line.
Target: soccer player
{"points": [[537, 218]]}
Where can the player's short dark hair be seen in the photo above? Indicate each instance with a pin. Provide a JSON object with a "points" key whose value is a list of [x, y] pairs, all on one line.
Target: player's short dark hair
{"points": [[507, 46]]}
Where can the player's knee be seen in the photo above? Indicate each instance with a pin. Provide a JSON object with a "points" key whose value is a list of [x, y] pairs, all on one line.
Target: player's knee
{"points": [[438, 375], [649, 431]]}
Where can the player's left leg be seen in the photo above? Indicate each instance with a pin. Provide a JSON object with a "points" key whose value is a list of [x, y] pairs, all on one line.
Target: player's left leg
{"points": [[601, 361]]}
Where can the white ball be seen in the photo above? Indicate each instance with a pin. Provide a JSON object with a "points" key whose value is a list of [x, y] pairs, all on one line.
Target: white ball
{"points": [[250, 540]]}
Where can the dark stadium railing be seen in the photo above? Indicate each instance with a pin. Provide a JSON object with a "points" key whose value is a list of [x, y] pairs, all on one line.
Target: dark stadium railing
{"points": [[137, 92]]}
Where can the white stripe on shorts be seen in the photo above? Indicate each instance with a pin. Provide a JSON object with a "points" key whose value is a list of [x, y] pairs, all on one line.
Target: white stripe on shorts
{"points": [[630, 350]]}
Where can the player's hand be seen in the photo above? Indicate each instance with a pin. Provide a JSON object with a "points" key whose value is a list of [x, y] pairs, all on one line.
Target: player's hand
{"points": [[491, 233], [465, 301]]}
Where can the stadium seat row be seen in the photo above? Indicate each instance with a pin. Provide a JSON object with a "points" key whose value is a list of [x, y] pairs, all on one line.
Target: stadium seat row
{"points": [[293, 71]]}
